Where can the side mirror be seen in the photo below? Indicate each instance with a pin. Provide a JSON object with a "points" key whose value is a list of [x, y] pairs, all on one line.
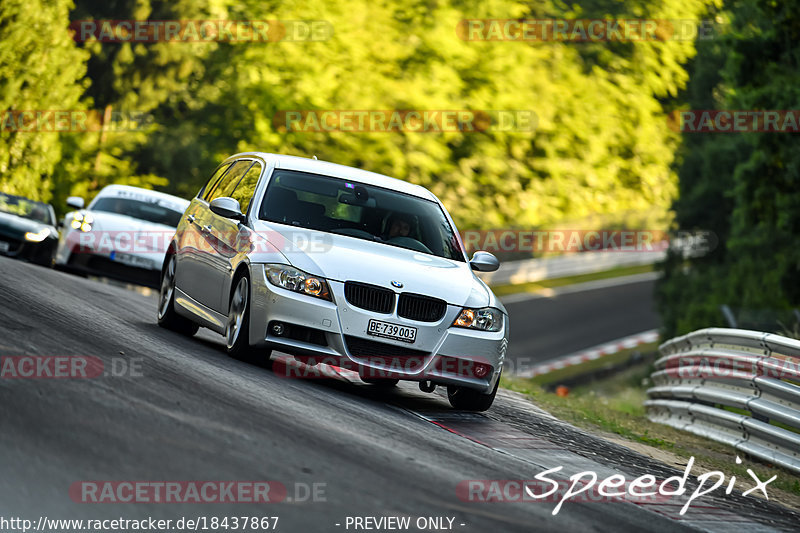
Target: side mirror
{"points": [[75, 202], [484, 262], [227, 207]]}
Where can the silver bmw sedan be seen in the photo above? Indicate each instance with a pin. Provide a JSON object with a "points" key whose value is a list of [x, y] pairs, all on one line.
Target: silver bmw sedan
{"points": [[335, 265]]}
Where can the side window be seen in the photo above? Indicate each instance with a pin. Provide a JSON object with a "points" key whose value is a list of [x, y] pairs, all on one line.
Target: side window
{"points": [[247, 187], [212, 182], [229, 181]]}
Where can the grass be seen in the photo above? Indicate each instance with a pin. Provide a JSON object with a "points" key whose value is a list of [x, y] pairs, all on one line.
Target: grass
{"points": [[537, 286], [615, 407]]}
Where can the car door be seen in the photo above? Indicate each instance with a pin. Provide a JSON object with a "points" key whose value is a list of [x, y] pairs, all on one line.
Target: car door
{"points": [[203, 261], [190, 242], [231, 237], [218, 233]]}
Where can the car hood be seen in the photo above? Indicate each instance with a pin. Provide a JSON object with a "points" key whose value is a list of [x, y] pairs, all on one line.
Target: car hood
{"points": [[15, 226], [343, 258], [154, 237]]}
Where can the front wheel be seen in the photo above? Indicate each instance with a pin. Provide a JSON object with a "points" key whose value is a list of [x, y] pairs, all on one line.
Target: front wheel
{"points": [[167, 317], [237, 331], [466, 399]]}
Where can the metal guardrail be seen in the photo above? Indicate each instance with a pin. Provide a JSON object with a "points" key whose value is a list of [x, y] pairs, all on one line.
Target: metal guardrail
{"points": [[701, 373], [528, 270]]}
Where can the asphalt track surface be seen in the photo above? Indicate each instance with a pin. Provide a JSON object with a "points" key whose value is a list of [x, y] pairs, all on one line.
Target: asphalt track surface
{"points": [[544, 328], [191, 413]]}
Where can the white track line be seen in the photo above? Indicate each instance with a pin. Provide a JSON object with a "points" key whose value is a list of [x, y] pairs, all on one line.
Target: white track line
{"points": [[590, 354], [580, 287]]}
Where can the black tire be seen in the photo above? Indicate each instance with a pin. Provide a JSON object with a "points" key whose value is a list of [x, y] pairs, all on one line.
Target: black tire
{"points": [[167, 317], [383, 383], [466, 399], [237, 331]]}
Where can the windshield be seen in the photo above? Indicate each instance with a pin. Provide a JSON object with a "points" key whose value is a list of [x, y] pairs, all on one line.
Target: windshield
{"points": [[25, 208], [362, 211], [150, 211]]}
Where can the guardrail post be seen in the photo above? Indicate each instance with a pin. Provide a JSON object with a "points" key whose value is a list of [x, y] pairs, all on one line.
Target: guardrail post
{"points": [[728, 314]]}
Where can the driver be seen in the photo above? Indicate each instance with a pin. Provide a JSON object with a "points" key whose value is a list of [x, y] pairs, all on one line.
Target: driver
{"points": [[398, 225], [39, 213]]}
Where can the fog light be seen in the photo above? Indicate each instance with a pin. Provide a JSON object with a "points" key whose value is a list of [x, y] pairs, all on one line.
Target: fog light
{"points": [[277, 329], [481, 370]]}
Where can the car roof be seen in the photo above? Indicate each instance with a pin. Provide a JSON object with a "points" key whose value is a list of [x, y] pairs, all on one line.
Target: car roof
{"points": [[314, 166], [110, 190]]}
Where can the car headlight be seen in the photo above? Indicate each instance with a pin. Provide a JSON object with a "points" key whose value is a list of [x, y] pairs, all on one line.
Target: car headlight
{"points": [[485, 319], [38, 236], [82, 221], [298, 281]]}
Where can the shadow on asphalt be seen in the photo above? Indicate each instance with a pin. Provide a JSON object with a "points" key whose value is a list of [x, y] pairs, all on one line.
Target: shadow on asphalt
{"points": [[405, 395]]}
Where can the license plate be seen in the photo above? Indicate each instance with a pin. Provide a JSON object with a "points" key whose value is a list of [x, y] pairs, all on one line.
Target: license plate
{"points": [[132, 260], [4, 246], [388, 330]]}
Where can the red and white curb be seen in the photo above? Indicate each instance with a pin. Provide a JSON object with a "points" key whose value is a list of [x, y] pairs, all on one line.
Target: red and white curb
{"points": [[591, 354]]}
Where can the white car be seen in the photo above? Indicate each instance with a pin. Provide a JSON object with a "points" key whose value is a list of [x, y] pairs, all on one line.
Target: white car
{"points": [[123, 234], [336, 265]]}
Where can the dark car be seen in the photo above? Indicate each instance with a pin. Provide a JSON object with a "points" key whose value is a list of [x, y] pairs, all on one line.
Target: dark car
{"points": [[27, 229]]}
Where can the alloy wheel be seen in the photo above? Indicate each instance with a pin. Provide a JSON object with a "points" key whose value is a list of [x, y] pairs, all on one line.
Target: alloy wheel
{"points": [[237, 312], [167, 288]]}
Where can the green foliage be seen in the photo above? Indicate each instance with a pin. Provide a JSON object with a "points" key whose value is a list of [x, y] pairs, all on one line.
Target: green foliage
{"points": [[40, 69], [744, 186], [600, 150], [601, 145], [128, 78]]}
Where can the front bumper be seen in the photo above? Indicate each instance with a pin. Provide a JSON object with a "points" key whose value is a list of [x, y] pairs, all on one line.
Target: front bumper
{"points": [[141, 267], [335, 333], [36, 252]]}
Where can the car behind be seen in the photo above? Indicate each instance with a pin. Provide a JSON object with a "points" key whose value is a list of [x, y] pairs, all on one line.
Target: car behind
{"points": [[122, 234], [27, 229]]}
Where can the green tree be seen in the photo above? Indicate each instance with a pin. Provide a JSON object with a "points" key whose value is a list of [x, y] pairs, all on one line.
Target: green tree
{"points": [[40, 69], [133, 78], [602, 144], [742, 186]]}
